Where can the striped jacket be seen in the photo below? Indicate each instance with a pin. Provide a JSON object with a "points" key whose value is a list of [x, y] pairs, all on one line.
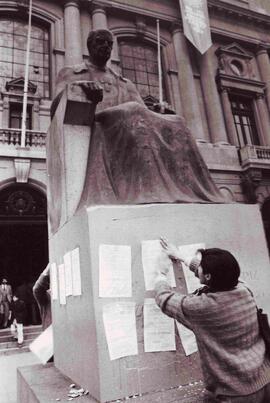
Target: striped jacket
{"points": [[225, 324]]}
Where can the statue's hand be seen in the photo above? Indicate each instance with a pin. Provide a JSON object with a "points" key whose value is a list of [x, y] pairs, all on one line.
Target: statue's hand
{"points": [[92, 90]]}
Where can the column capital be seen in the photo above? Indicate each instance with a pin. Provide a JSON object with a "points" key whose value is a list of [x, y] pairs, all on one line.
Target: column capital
{"points": [[176, 27], [223, 89], [71, 3], [97, 7], [262, 48], [260, 96]]}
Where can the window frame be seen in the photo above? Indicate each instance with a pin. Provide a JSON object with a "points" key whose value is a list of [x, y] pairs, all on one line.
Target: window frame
{"points": [[246, 119], [149, 99], [16, 106]]}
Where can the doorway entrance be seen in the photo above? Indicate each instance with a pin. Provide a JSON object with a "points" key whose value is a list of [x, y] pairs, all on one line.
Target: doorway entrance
{"points": [[23, 242]]}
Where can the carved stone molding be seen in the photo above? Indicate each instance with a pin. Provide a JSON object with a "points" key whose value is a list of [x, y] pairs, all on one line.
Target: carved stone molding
{"points": [[140, 26], [17, 85], [22, 169], [22, 201], [235, 61]]}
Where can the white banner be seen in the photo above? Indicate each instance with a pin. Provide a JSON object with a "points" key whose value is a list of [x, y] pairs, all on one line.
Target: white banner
{"points": [[196, 23]]}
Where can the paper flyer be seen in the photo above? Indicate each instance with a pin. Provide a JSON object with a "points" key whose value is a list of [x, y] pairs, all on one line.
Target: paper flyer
{"points": [[120, 329], [151, 254], [115, 271]]}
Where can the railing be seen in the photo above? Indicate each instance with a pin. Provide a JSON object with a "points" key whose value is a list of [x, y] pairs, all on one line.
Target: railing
{"points": [[255, 154], [11, 138], [263, 153]]}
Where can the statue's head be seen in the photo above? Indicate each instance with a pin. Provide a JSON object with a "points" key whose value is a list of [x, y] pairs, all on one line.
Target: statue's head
{"points": [[99, 44]]}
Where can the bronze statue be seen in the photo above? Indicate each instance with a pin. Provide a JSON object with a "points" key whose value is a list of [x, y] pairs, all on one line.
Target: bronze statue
{"points": [[135, 155]]}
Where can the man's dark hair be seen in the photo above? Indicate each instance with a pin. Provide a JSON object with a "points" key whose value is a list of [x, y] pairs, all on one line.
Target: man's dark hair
{"points": [[92, 36], [222, 266]]}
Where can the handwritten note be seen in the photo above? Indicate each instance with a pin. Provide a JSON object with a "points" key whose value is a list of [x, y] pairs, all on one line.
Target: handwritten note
{"points": [[68, 273], [152, 256], [115, 271], [76, 272], [120, 329], [159, 334], [42, 346], [62, 284]]}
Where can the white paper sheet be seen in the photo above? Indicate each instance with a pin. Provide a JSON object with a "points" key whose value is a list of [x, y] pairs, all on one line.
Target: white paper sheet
{"points": [[120, 329], [159, 334], [42, 346], [62, 284], [76, 272], [188, 339], [151, 255], [115, 271], [53, 281], [68, 273], [187, 252]]}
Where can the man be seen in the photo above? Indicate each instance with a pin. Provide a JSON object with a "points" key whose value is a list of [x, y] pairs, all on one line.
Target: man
{"points": [[223, 317], [43, 297], [135, 155], [18, 308], [5, 300]]}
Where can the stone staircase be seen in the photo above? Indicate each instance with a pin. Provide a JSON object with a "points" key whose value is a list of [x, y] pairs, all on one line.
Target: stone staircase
{"points": [[9, 346]]}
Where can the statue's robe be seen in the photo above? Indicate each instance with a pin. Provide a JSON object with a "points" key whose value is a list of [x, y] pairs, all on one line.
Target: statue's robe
{"points": [[136, 155]]}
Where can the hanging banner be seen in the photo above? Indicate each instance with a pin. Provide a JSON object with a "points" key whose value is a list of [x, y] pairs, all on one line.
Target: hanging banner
{"points": [[196, 23]]}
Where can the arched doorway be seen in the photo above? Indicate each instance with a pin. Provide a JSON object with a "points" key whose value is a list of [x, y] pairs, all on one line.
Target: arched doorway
{"points": [[23, 240], [266, 221]]}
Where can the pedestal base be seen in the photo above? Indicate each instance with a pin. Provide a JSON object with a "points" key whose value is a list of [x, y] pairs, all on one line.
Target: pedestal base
{"points": [[43, 384], [81, 350]]}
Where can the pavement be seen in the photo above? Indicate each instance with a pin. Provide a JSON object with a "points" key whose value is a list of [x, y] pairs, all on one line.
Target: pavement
{"points": [[8, 374]]}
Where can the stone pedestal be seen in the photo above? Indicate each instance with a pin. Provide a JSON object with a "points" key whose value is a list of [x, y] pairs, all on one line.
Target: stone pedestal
{"points": [[81, 351]]}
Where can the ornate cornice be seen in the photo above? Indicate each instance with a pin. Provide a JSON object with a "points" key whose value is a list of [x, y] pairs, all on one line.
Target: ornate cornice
{"points": [[221, 7]]}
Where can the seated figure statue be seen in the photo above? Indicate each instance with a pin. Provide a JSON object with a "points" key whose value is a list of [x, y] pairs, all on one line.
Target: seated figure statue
{"points": [[135, 155]]}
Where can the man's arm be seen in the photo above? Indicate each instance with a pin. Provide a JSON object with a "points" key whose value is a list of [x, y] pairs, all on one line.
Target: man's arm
{"points": [[41, 286], [171, 302]]}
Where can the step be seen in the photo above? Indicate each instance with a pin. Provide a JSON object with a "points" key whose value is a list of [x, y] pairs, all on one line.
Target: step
{"points": [[26, 329], [27, 335], [10, 346], [13, 343], [15, 350]]}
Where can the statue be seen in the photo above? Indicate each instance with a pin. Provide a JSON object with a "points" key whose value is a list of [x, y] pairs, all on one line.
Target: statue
{"points": [[135, 155]]}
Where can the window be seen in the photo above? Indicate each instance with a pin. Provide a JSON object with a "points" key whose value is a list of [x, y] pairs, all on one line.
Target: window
{"points": [[244, 120], [15, 117], [13, 40], [139, 64]]}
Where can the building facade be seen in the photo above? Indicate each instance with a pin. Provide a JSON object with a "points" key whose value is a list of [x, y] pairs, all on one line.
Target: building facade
{"points": [[223, 94]]}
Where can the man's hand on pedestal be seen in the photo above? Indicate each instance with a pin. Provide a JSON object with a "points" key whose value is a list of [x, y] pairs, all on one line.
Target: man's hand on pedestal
{"points": [[92, 90]]}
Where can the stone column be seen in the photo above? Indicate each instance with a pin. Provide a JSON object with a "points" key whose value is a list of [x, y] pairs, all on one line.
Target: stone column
{"points": [[59, 49], [264, 67], [5, 115], [86, 24], [212, 100], [35, 115], [99, 18], [264, 119], [191, 109], [228, 116], [73, 41], [173, 76]]}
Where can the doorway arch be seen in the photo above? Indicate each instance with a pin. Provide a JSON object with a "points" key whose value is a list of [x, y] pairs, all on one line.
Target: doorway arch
{"points": [[266, 220], [23, 237]]}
